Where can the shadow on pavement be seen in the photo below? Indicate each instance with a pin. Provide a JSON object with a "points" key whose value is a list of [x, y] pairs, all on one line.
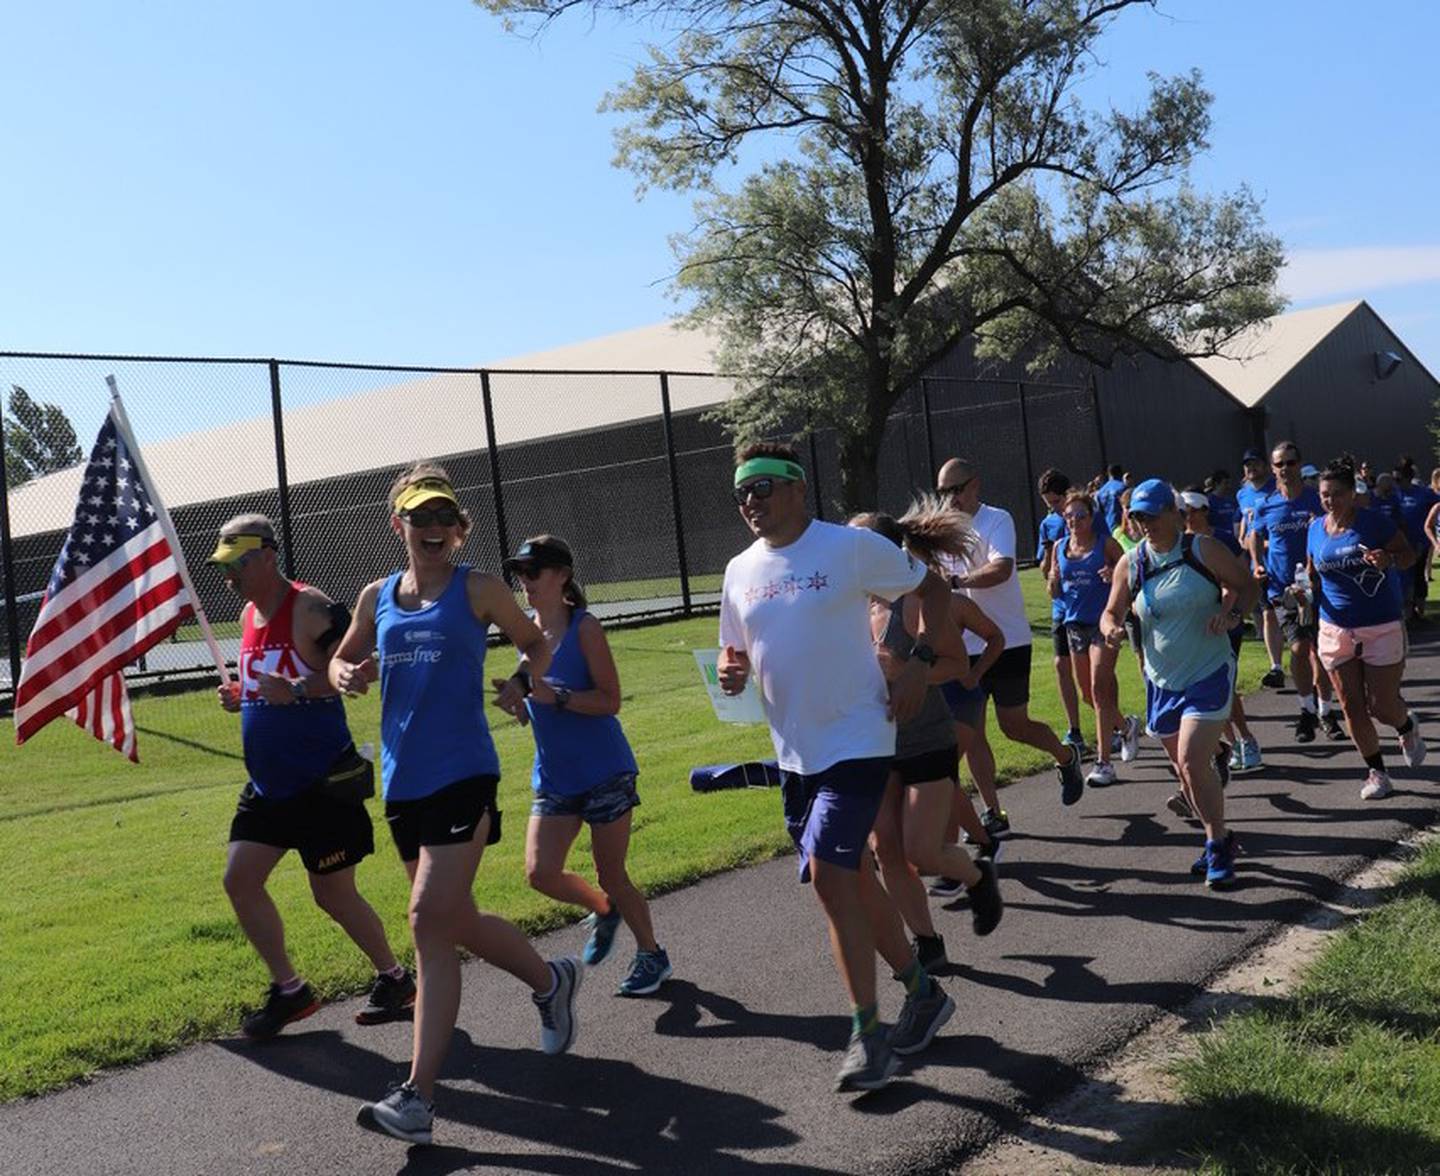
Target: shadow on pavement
{"points": [[688, 1002]]}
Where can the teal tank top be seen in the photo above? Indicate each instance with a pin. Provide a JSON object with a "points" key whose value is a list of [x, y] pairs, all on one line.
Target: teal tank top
{"points": [[1175, 597]]}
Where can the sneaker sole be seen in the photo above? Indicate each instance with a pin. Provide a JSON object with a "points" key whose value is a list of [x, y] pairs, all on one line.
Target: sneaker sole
{"points": [[649, 988], [372, 1122], [947, 1010], [404, 1011], [850, 1083], [1220, 883], [310, 1011], [944, 892]]}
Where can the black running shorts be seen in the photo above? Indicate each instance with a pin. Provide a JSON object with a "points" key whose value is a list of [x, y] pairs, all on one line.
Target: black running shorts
{"points": [[446, 817], [330, 835]]}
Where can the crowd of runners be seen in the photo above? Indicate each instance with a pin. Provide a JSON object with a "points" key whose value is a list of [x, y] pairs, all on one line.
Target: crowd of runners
{"points": [[877, 648]]}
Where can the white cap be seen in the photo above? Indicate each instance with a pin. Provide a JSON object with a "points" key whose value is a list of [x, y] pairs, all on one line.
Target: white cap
{"points": [[1193, 500], [1361, 487]]}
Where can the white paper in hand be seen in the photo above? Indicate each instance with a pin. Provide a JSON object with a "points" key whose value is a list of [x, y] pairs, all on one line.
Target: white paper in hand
{"points": [[744, 707]]}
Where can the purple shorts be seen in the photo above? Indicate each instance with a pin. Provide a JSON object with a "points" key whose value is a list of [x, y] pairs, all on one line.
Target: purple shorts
{"points": [[829, 815]]}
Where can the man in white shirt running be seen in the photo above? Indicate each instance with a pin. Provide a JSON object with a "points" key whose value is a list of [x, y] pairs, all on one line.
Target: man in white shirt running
{"points": [[794, 612], [990, 581]]}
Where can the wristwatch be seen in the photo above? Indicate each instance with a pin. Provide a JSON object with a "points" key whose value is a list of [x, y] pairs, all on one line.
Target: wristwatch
{"points": [[922, 652], [562, 698], [297, 689]]}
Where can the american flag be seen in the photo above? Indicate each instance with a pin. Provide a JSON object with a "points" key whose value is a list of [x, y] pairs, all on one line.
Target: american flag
{"points": [[117, 589]]}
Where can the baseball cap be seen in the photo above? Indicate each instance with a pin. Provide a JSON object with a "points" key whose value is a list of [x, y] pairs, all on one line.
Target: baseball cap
{"points": [[1252, 454], [1189, 499], [256, 535], [1309, 471], [424, 490], [1152, 497], [546, 552]]}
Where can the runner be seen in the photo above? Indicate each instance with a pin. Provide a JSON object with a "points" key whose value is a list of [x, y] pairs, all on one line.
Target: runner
{"points": [[1245, 754], [795, 609], [1278, 533], [1259, 484], [1415, 501], [1053, 487], [584, 771], [1188, 592], [1358, 557], [293, 730], [1107, 498], [1079, 579], [991, 582], [1224, 511], [428, 624], [925, 776]]}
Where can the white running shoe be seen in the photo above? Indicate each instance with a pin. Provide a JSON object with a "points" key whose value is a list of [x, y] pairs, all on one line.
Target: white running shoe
{"points": [[1130, 739], [1412, 747], [557, 1008], [403, 1114], [1377, 785], [1102, 775]]}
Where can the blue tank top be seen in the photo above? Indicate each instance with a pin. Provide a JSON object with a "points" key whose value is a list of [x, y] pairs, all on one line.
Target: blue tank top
{"points": [[433, 731], [1175, 601], [575, 753], [1082, 591]]}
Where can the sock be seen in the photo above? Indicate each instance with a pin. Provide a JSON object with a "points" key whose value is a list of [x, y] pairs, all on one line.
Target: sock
{"points": [[1307, 703], [291, 986], [1407, 726], [916, 982], [394, 973], [1276, 667], [864, 1020], [1376, 761], [1326, 706]]}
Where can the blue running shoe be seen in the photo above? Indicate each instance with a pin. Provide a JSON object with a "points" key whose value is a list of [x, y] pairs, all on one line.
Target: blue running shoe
{"points": [[649, 970], [1220, 871], [602, 937], [1202, 863]]}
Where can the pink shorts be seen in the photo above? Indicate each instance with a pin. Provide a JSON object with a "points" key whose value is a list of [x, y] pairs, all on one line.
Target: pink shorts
{"points": [[1375, 645]]}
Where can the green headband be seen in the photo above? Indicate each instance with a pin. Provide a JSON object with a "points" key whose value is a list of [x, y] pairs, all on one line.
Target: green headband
{"points": [[775, 467]]}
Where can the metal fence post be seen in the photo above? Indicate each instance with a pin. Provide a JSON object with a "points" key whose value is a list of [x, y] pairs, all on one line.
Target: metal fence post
{"points": [[287, 544], [675, 492], [1029, 461], [1099, 423], [929, 429], [815, 476], [12, 616], [500, 531]]}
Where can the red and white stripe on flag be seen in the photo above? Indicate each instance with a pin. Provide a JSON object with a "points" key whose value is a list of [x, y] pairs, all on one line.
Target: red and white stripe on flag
{"points": [[116, 591]]}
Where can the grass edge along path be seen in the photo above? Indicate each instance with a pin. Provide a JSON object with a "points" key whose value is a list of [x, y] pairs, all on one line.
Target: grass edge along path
{"points": [[1341, 1074]]}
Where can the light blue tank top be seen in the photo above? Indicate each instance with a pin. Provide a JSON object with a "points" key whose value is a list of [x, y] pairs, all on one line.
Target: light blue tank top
{"points": [[1082, 591], [1174, 602], [433, 731], [575, 753]]}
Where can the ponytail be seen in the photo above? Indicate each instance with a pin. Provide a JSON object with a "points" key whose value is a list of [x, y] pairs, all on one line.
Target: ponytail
{"points": [[927, 530]]}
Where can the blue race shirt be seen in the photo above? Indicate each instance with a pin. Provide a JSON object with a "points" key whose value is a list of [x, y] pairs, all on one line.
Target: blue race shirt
{"points": [[1052, 531], [1083, 593], [1285, 525], [1389, 506], [433, 731], [575, 753], [1224, 510], [1415, 501], [1107, 501], [1352, 593], [1248, 497]]}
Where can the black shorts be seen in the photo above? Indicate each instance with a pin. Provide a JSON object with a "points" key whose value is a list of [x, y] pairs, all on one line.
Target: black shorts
{"points": [[1007, 682], [330, 835], [1083, 636], [1060, 637], [447, 817], [942, 764], [1290, 627]]}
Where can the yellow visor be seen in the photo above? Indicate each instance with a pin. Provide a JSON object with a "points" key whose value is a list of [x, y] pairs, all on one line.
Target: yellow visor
{"points": [[424, 490], [232, 547]]}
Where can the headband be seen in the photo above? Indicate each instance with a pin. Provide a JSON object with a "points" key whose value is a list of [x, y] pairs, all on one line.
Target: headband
{"points": [[775, 467]]}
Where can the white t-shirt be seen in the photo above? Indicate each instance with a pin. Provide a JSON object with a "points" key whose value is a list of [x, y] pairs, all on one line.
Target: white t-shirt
{"points": [[802, 614], [1005, 603]]}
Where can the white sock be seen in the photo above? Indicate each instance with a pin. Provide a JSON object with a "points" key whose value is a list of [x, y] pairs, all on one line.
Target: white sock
{"points": [[1326, 706], [1276, 666], [1307, 703]]}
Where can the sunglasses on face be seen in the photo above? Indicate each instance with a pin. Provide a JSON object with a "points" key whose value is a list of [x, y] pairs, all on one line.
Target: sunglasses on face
{"points": [[422, 516], [953, 491], [235, 565], [1287, 463], [529, 572], [1141, 517], [759, 488]]}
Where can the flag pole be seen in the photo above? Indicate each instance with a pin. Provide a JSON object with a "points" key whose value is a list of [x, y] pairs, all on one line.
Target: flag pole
{"points": [[122, 424]]}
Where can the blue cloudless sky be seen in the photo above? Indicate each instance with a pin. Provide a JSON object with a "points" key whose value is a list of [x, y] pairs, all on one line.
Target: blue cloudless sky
{"points": [[409, 183]]}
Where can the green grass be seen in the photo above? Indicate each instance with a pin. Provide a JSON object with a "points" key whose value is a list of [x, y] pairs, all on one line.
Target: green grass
{"points": [[1343, 1075], [119, 941]]}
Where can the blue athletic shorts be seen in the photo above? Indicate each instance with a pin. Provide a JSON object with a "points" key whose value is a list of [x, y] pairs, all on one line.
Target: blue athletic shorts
{"points": [[829, 815], [598, 806], [1207, 699]]}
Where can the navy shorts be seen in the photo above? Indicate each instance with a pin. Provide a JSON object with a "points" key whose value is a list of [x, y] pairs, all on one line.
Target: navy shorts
{"points": [[966, 706], [597, 806], [1059, 637], [829, 815], [446, 817], [1208, 699]]}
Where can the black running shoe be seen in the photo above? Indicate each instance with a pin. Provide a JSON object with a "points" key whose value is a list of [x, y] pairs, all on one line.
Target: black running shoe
{"points": [[279, 1011], [1274, 678], [1306, 726], [1333, 730], [986, 905], [1072, 782], [929, 951], [390, 1000]]}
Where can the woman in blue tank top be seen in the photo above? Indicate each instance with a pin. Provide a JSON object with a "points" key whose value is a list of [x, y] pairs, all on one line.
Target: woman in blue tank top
{"points": [[1080, 577], [1187, 592], [428, 624], [584, 769]]}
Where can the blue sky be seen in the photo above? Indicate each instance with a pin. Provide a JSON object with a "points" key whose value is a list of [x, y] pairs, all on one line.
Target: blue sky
{"points": [[408, 183]]}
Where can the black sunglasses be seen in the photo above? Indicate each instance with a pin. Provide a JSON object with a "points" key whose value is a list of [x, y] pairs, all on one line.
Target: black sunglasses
{"points": [[1287, 463], [951, 491], [423, 516], [759, 488]]}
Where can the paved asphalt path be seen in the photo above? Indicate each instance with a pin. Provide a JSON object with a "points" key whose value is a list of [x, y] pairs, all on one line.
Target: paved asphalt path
{"points": [[729, 1068]]}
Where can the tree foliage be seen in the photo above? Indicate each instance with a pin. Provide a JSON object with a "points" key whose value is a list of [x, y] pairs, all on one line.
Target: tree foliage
{"points": [[39, 439], [928, 173]]}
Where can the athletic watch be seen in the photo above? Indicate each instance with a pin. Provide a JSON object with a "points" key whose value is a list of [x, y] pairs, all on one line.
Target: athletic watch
{"points": [[922, 652], [562, 698], [297, 689]]}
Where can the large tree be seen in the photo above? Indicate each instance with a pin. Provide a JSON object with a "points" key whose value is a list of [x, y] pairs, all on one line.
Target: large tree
{"points": [[914, 172], [39, 439]]}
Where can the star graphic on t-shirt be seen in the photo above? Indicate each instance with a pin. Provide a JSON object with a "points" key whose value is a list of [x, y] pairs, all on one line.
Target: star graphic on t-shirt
{"points": [[792, 585], [817, 582], [772, 589]]}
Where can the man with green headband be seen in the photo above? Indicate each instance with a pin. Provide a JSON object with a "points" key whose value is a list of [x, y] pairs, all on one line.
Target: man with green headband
{"points": [[794, 614]]}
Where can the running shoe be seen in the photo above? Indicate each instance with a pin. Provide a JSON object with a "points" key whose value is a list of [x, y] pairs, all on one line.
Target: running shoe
{"points": [[990, 851], [869, 1063], [946, 887], [929, 951], [1330, 724], [1117, 741], [1274, 678], [648, 971], [920, 1019], [1076, 740], [557, 1007], [1377, 785], [1222, 763], [1251, 759], [1220, 871], [602, 937], [1102, 775], [986, 905], [1072, 783], [1130, 739], [1236, 757], [1178, 805], [1306, 726], [403, 1114], [278, 1011], [1202, 863], [1412, 747], [390, 999], [996, 823]]}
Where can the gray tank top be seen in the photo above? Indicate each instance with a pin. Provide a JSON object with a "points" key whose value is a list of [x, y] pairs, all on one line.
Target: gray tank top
{"points": [[933, 729]]}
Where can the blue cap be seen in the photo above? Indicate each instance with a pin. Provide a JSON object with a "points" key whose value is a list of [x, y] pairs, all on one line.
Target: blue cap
{"points": [[1152, 497], [1252, 455]]}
